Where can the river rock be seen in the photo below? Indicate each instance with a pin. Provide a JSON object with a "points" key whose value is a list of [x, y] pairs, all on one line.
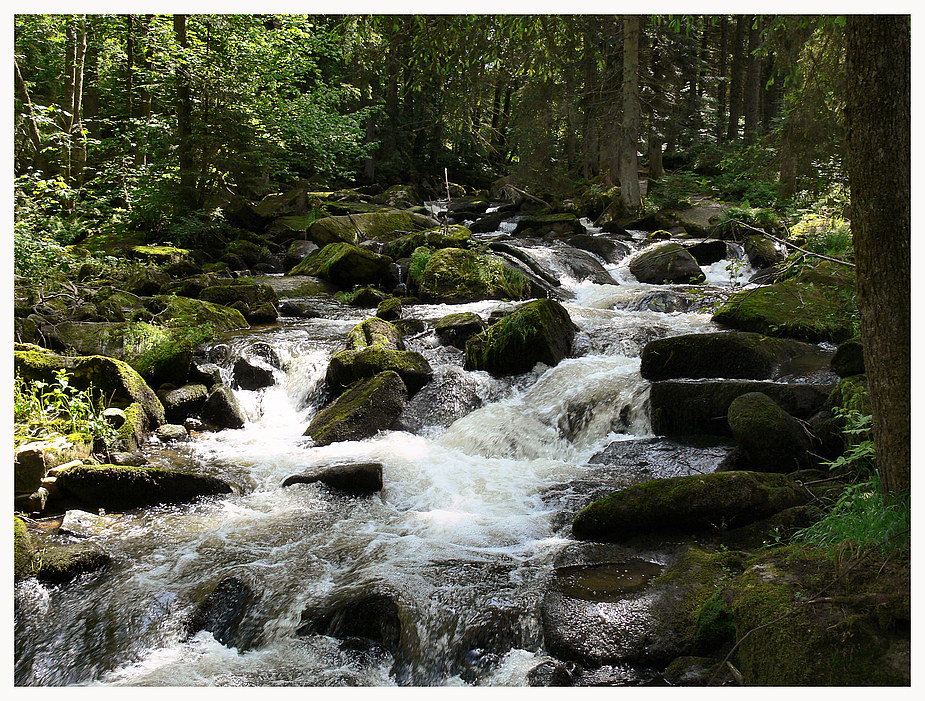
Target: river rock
{"points": [[666, 263], [23, 549], [772, 439], [252, 373], [369, 406], [147, 282], [169, 433], [374, 332], [115, 487], [538, 331], [488, 223], [457, 328], [584, 266], [555, 225], [849, 358], [389, 309], [252, 294], [688, 504], [61, 563], [606, 248], [205, 373], [221, 409], [354, 228], [298, 308], [456, 236], [733, 355], [348, 366], [223, 611], [114, 379], [186, 312], [762, 252], [708, 252], [679, 407], [459, 276], [346, 265], [183, 402], [355, 478], [814, 306], [372, 618]]}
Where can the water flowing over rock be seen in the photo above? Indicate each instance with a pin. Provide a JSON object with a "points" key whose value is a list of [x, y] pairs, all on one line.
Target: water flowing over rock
{"points": [[666, 263]]}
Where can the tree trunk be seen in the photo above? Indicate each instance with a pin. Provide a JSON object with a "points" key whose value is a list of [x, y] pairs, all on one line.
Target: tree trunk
{"points": [[751, 100], [629, 168], [879, 162], [184, 120], [720, 129], [735, 80], [38, 158]]}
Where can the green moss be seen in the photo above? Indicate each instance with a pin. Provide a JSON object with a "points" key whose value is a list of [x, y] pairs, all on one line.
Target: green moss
{"points": [[348, 366], [354, 228], [159, 254], [814, 306], [369, 406], [374, 332], [23, 549], [178, 312], [456, 236], [456, 275], [344, 264]]}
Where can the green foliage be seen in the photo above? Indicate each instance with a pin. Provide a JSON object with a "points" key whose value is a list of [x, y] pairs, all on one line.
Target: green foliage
{"points": [[40, 408]]}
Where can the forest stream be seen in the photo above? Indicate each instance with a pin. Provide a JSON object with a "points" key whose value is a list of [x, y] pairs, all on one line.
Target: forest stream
{"points": [[455, 553]]}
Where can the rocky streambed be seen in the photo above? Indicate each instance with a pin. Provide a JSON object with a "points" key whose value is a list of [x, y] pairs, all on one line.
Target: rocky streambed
{"points": [[516, 450]]}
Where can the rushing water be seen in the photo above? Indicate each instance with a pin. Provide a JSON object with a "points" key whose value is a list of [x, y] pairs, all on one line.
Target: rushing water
{"points": [[463, 537]]}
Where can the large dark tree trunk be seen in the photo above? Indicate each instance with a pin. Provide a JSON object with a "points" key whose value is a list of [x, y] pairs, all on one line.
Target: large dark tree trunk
{"points": [[720, 128], [751, 99], [186, 158], [630, 197], [735, 79], [879, 161]]}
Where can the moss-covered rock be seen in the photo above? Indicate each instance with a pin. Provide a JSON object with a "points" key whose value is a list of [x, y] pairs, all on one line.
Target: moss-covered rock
{"points": [[221, 409], [251, 252], [118, 487], [556, 225], [348, 366], [369, 406], [803, 620], [773, 440], [849, 358], [147, 282], [184, 402], [740, 355], [115, 380], [536, 332], [458, 276], [252, 294], [160, 255], [678, 407], [762, 252], [399, 197], [59, 563], [389, 309], [666, 263], [23, 549], [355, 228], [346, 265], [374, 333], [688, 504], [817, 305], [457, 328], [456, 236], [177, 312]]}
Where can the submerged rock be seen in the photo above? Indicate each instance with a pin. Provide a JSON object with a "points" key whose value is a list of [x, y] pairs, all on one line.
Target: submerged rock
{"points": [[367, 618], [223, 611]]}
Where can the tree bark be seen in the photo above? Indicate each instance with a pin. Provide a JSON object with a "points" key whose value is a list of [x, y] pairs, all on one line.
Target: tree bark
{"points": [[879, 161], [751, 99], [187, 161], [720, 129], [735, 80], [629, 168], [38, 157]]}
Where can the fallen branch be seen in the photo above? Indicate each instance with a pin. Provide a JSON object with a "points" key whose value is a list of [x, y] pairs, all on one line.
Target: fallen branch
{"points": [[527, 195], [793, 246]]}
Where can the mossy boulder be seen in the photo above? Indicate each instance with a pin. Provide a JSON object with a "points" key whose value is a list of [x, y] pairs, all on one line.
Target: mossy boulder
{"points": [[555, 225], [221, 409], [374, 333], [251, 293], [113, 379], [59, 563], [348, 366], [23, 549], [738, 355], [772, 439], [458, 276], [174, 311], [399, 197], [856, 634], [536, 332], [184, 402], [688, 504], [369, 406], [118, 487], [147, 282], [362, 297], [762, 252], [251, 252], [679, 407], [456, 236], [457, 328], [849, 358], [355, 228], [159, 255], [346, 265], [389, 309], [666, 263], [817, 305]]}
